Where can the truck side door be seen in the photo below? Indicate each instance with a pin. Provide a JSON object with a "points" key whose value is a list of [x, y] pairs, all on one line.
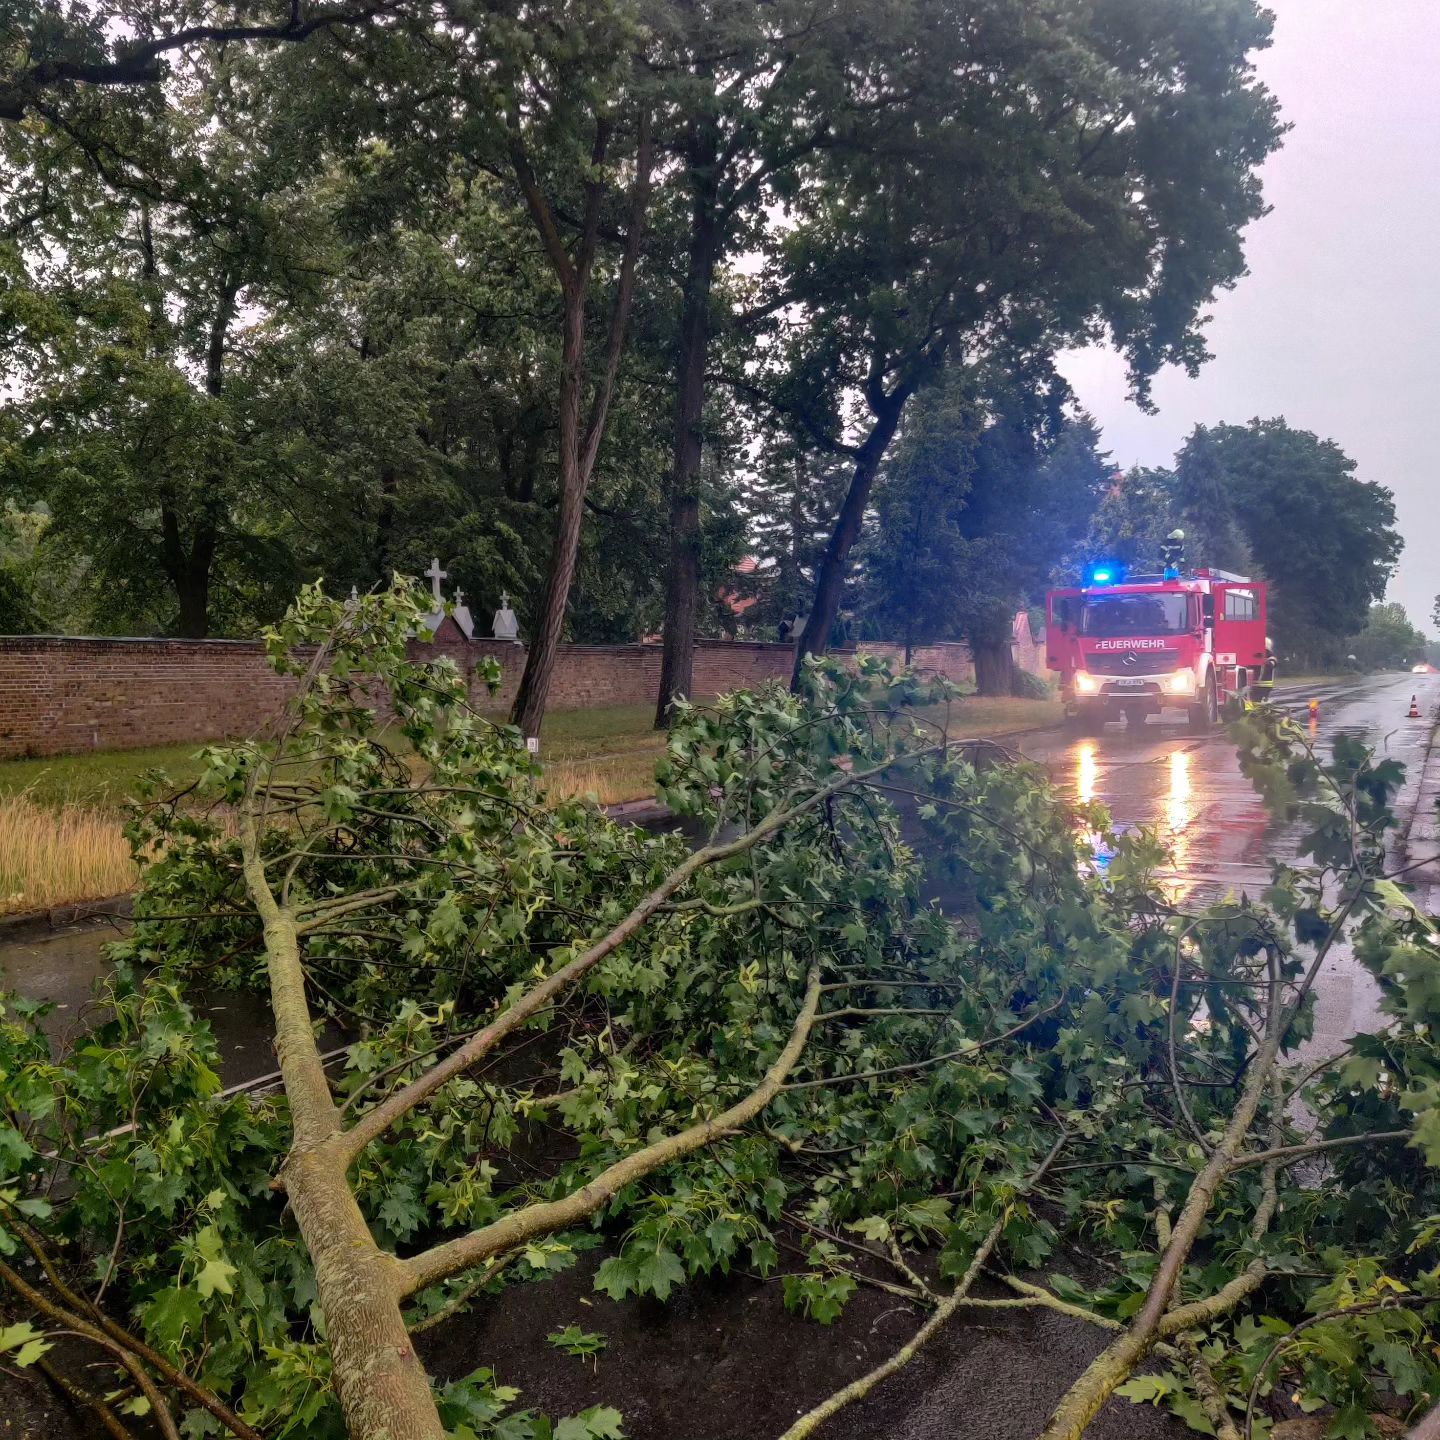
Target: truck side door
{"points": [[1239, 628]]}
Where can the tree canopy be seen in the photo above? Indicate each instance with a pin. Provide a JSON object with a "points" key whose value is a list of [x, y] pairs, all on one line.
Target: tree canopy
{"points": [[1324, 538], [333, 289]]}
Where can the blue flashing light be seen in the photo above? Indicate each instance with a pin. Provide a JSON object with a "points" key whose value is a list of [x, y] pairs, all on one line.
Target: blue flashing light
{"points": [[1101, 577], [1104, 572]]}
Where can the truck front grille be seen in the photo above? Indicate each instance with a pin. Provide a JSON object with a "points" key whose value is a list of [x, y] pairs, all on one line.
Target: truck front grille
{"points": [[1133, 662]]}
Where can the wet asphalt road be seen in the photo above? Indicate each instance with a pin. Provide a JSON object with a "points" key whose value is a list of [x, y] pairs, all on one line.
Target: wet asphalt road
{"points": [[1189, 788]]}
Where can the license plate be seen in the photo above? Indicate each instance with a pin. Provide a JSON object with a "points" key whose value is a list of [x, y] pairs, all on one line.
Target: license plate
{"points": [[1129, 684]]}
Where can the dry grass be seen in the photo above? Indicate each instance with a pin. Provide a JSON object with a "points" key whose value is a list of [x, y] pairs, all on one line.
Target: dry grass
{"points": [[60, 818], [54, 855], [608, 781]]}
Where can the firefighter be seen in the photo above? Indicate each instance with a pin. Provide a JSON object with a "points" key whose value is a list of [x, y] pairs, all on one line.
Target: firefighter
{"points": [[1172, 553], [1264, 684]]}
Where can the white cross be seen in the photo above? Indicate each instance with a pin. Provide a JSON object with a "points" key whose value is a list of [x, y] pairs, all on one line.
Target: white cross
{"points": [[435, 575], [459, 597], [504, 600]]}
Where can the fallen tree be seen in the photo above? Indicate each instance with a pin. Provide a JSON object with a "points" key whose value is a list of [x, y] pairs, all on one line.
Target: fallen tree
{"points": [[765, 1040]]}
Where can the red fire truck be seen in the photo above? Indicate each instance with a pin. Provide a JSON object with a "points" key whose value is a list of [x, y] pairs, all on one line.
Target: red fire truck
{"points": [[1132, 646]]}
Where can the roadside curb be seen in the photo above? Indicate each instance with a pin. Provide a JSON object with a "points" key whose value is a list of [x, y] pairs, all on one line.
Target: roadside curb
{"points": [[57, 917], [1423, 826]]}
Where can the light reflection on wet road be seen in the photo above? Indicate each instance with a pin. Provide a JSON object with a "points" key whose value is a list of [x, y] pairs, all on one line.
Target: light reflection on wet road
{"points": [[1189, 788]]}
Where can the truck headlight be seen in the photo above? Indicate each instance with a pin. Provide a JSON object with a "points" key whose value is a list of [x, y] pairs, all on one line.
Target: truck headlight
{"points": [[1182, 682], [1086, 684]]}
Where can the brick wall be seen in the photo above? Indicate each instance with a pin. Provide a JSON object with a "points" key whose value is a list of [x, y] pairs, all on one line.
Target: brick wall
{"points": [[61, 696], [64, 695]]}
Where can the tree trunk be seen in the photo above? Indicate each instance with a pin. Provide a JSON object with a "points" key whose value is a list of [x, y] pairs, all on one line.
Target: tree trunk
{"points": [[994, 667], [193, 592], [534, 691], [382, 1387], [830, 578], [578, 450], [188, 570], [682, 584]]}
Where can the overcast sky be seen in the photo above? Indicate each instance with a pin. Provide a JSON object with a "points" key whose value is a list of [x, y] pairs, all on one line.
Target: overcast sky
{"points": [[1337, 326]]}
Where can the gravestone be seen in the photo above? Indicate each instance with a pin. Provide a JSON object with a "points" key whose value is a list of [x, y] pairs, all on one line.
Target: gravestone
{"points": [[433, 621], [435, 575], [460, 612], [506, 626]]}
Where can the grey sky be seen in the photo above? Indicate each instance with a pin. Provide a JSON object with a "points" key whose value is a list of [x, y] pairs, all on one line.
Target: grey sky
{"points": [[1337, 326]]}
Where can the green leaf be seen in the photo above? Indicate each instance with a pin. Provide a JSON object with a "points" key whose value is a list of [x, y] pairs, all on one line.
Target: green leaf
{"points": [[599, 1422], [22, 1343], [1147, 1389], [658, 1272], [617, 1277], [171, 1314]]}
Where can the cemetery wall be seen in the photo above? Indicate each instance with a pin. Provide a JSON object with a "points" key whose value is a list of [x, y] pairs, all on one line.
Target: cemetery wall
{"points": [[66, 695]]}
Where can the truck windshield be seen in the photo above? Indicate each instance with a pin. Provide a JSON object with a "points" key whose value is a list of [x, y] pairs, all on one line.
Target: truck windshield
{"points": [[1135, 615]]}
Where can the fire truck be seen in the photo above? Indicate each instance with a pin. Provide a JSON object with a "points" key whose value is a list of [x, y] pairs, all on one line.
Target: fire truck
{"points": [[1133, 645]]}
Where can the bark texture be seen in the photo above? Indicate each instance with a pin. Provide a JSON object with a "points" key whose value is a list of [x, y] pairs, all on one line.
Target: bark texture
{"points": [[579, 447], [835, 564], [682, 583], [994, 667]]}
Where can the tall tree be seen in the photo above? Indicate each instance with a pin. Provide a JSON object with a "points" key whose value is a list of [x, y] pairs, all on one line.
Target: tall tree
{"points": [[984, 496], [1080, 172], [913, 565], [145, 253], [758, 92], [559, 88], [1032, 493], [1135, 514], [1205, 509], [1325, 539], [1389, 641]]}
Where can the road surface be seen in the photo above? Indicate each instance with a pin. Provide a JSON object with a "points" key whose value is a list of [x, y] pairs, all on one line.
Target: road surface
{"points": [[1222, 841]]}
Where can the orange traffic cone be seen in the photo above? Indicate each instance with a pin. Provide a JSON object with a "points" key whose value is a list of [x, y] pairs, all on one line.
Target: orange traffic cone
{"points": [[1314, 707], [1414, 711]]}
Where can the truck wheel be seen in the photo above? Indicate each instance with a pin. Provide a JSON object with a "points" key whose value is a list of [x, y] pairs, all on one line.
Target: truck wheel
{"points": [[1205, 715]]}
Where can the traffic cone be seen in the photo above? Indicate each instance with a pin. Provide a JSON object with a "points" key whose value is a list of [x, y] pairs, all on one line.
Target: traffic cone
{"points": [[1414, 711], [1314, 707]]}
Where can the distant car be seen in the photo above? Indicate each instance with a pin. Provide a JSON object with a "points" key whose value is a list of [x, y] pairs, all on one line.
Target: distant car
{"points": [[1422, 669]]}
